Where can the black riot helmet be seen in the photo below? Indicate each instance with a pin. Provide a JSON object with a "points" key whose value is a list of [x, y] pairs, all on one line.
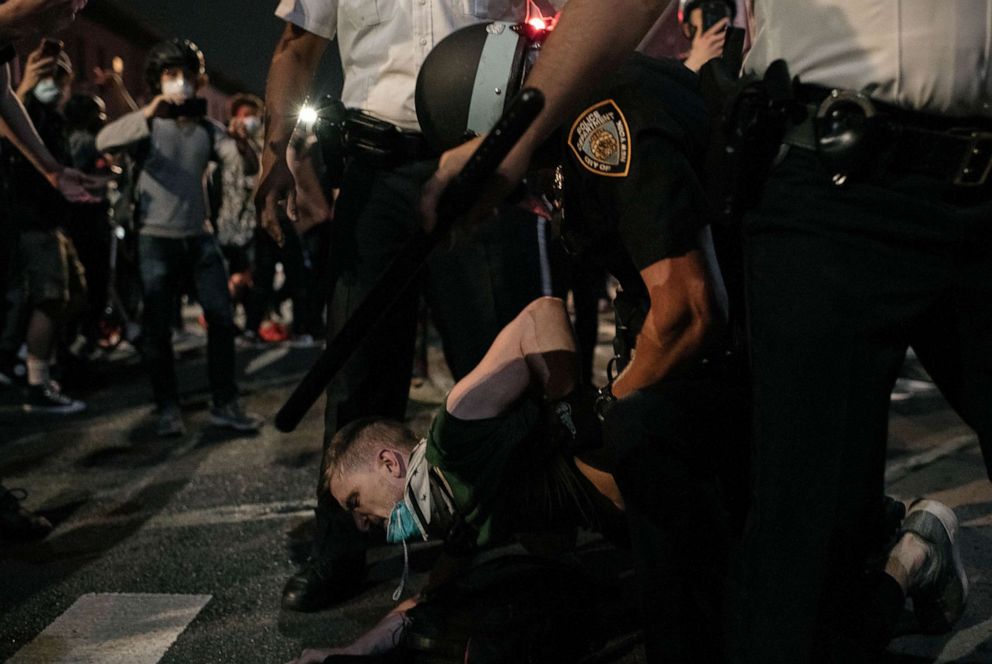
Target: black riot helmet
{"points": [[172, 53], [470, 76]]}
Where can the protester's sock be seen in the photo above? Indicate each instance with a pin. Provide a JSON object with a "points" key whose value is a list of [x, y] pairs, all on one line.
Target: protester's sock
{"points": [[906, 559], [38, 371]]}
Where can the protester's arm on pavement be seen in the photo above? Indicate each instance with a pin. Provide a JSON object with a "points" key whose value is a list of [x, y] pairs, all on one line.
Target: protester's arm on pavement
{"points": [[685, 311], [382, 638], [16, 127], [591, 39], [537, 349], [291, 73]]}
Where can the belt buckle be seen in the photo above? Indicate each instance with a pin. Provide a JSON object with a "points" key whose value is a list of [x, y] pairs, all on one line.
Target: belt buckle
{"points": [[977, 162]]}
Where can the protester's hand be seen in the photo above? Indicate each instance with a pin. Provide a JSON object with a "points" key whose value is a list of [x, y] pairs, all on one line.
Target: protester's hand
{"points": [[77, 187], [39, 66], [507, 176], [273, 189], [154, 107], [708, 45]]}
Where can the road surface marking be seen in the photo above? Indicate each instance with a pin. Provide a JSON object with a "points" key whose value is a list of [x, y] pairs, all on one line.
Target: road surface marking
{"points": [[965, 642], [900, 468], [113, 629], [266, 359]]}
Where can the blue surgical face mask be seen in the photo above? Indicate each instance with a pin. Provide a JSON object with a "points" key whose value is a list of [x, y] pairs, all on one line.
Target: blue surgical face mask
{"points": [[47, 91], [251, 124], [401, 526]]}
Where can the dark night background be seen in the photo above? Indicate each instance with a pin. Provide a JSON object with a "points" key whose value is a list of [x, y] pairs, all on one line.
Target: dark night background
{"points": [[237, 36]]}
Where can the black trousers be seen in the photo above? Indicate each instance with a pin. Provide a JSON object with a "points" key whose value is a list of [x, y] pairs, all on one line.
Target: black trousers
{"points": [[474, 286], [840, 282], [681, 464], [165, 264]]}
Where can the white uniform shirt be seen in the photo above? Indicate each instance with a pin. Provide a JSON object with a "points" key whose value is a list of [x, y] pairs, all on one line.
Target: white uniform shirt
{"points": [[383, 43], [927, 55]]}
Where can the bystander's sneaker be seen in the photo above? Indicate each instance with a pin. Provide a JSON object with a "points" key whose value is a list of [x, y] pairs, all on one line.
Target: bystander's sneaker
{"points": [[939, 589], [49, 399], [170, 421], [233, 416], [17, 522]]}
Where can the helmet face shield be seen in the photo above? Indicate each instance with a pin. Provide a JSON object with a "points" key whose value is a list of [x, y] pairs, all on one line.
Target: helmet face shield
{"points": [[471, 75]]}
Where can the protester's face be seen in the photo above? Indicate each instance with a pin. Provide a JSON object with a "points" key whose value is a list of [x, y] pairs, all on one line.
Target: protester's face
{"points": [[371, 491], [174, 77], [249, 117]]}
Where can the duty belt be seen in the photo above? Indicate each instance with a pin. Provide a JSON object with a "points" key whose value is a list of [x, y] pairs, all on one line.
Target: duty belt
{"points": [[370, 139], [857, 136]]}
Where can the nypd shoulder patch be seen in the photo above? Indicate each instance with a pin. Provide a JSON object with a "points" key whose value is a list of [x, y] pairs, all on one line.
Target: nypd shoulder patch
{"points": [[600, 140]]}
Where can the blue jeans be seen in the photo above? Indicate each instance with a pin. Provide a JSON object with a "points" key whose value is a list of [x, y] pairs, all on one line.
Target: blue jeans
{"points": [[166, 264]]}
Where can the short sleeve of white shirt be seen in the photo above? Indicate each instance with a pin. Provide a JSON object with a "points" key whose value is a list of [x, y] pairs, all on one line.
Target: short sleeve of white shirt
{"points": [[319, 17]]}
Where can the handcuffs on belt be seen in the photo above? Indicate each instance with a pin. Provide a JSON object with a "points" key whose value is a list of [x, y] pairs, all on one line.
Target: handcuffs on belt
{"points": [[852, 135]]}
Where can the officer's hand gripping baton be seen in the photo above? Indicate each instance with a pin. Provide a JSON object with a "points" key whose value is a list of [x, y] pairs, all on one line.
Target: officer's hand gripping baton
{"points": [[456, 200]]}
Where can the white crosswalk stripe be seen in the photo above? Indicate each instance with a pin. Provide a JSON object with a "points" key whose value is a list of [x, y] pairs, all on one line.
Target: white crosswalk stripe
{"points": [[113, 629]]}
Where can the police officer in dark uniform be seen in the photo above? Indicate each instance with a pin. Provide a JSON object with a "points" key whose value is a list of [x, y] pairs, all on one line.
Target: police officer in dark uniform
{"points": [[851, 257], [679, 429], [634, 205]]}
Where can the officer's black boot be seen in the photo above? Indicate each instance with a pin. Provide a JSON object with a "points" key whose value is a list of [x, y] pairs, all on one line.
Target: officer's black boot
{"points": [[335, 569]]}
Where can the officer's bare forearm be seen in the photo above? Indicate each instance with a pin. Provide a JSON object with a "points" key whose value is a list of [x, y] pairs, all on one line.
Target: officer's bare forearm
{"points": [[686, 310], [661, 352], [291, 73], [591, 40]]}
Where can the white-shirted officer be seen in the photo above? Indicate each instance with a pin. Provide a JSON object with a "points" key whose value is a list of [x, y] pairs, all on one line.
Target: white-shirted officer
{"points": [[473, 289], [872, 234]]}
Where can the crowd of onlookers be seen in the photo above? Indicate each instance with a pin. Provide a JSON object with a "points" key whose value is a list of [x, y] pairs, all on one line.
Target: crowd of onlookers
{"points": [[172, 222]]}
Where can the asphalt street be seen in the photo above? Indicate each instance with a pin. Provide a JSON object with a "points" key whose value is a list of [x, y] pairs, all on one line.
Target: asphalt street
{"points": [[176, 550]]}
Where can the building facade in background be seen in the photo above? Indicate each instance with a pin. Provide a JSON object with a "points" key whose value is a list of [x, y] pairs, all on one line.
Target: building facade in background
{"points": [[105, 31]]}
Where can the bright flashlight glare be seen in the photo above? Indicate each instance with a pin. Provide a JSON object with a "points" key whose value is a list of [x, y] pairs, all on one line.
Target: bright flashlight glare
{"points": [[308, 115], [538, 24]]}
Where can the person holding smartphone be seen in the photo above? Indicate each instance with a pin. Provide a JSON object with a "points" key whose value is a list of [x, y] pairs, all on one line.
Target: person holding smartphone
{"points": [[174, 142], [19, 19], [47, 269]]}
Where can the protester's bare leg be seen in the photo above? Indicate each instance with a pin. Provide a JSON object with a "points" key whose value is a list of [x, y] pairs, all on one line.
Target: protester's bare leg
{"points": [[538, 342], [41, 343]]}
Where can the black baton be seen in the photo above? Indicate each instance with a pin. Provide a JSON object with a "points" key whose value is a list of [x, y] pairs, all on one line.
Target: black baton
{"points": [[457, 199]]}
